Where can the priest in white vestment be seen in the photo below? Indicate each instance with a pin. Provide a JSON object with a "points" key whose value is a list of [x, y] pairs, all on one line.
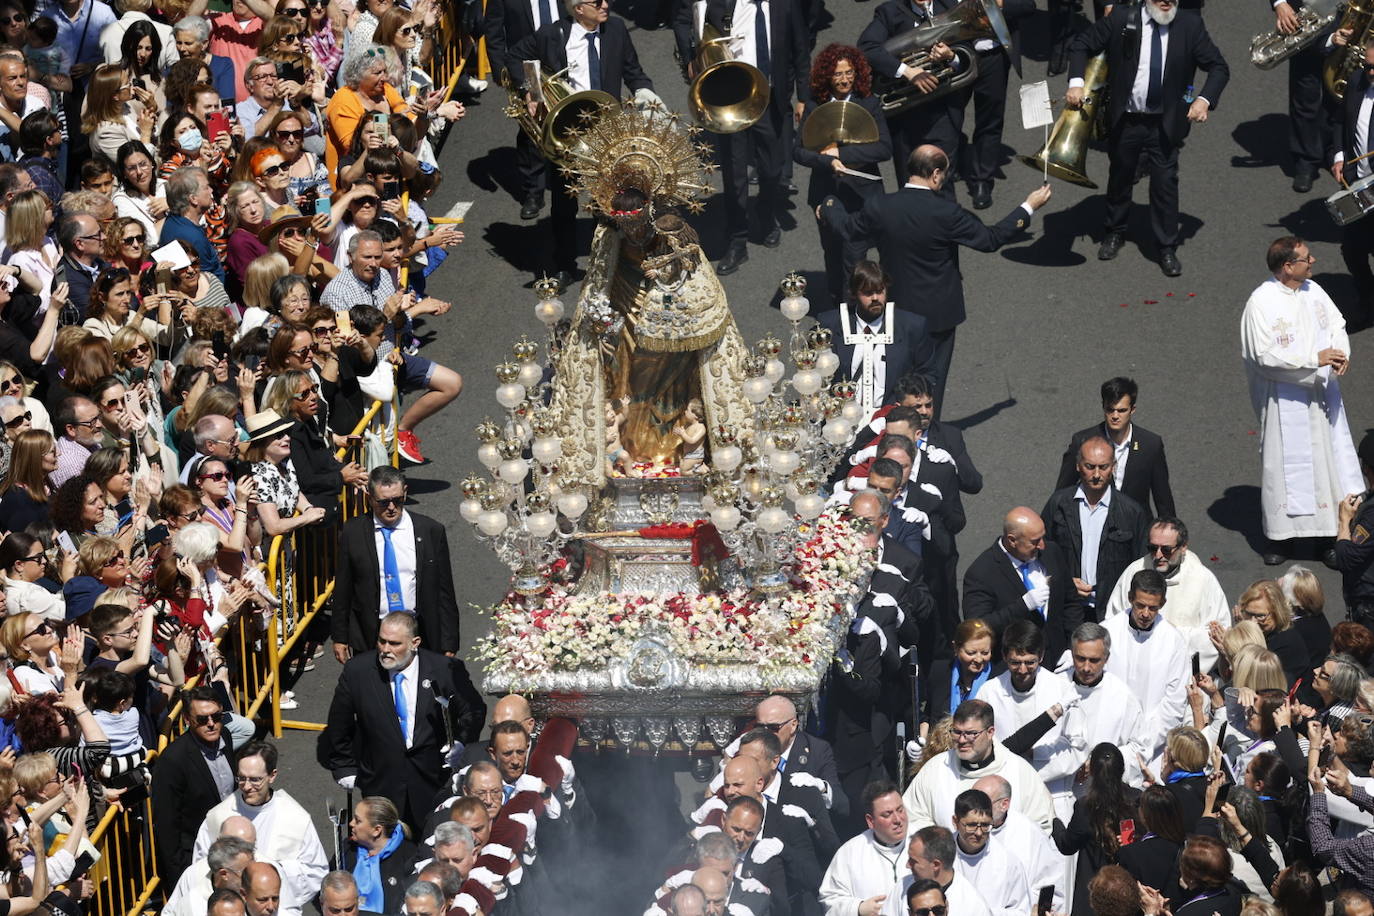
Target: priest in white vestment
{"points": [[995, 869], [864, 869], [1196, 599], [1294, 345], [976, 753], [932, 854], [1043, 862], [1151, 656], [1026, 690]]}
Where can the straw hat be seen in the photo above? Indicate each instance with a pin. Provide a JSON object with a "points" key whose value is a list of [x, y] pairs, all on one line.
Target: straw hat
{"points": [[266, 425], [286, 217]]}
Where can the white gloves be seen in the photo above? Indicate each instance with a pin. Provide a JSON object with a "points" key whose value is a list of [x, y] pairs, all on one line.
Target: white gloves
{"points": [[347, 782], [914, 750], [915, 516], [938, 455], [647, 98], [1038, 596]]}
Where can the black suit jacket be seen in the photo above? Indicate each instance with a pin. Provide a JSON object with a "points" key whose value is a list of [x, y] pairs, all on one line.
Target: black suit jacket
{"points": [[861, 157], [508, 22], [1350, 113], [1147, 470], [951, 439], [358, 586], [362, 734], [993, 590], [892, 18], [918, 234], [620, 69], [1124, 536], [911, 349], [183, 792], [1189, 47], [789, 46], [810, 754]]}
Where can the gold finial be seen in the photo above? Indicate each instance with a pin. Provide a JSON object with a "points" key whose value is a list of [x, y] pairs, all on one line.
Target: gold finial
{"points": [[794, 284]]}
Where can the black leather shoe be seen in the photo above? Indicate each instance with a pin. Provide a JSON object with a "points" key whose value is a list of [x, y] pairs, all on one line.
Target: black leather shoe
{"points": [[732, 260], [1302, 181], [981, 193], [1273, 559], [1111, 246], [1329, 558], [1168, 262], [773, 239], [531, 207]]}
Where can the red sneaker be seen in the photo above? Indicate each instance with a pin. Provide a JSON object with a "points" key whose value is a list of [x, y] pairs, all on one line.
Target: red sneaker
{"points": [[408, 444]]}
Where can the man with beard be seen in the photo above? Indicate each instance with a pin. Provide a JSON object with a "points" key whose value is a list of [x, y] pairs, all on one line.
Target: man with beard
{"points": [[1195, 597], [1100, 528], [865, 868], [1151, 656], [385, 731], [931, 855], [1025, 690], [1152, 55], [976, 753]]}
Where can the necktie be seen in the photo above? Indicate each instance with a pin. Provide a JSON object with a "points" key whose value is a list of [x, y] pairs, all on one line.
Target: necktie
{"points": [[506, 792], [782, 764], [762, 60], [593, 62], [398, 694], [391, 572], [545, 13], [1026, 579], [1155, 88]]}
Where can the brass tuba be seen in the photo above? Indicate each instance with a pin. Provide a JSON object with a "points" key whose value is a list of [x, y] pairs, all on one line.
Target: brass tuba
{"points": [[970, 21], [1066, 152], [1342, 62], [1269, 49], [727, 95], [563, 111], [837, 122]]}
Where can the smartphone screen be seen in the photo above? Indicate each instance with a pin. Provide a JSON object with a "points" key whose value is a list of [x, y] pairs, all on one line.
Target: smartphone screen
{"points": [[1197, 665]]}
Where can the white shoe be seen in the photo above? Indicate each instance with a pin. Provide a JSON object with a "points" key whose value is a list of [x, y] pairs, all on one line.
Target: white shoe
{"points": [[468, 84], [288, 702]]}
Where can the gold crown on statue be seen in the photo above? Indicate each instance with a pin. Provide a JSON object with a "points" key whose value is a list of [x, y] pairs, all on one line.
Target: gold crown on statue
{"points": [[649, 151]]}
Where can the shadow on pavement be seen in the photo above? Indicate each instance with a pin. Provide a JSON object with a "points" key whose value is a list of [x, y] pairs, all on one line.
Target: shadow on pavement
{"points": [[1238, 510], [982, 416], [497, 170], [1263, 139], [1311, 221]]}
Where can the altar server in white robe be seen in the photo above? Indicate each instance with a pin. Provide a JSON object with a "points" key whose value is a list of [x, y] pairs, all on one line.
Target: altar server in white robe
{"points": [[867, 866], [1294, 345], [1012, 830], [996, 870], [1103, 709], [1196, 599], [976, 753], [1025, 690], [1151, 656], [931, 855]]}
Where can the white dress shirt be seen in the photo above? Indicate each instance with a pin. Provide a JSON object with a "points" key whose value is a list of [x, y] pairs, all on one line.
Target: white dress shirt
{"points": [[742, 30], [1035, 568], [409, 684], [1091, 521], [1362, 168], [403, 540], [1123, 454], [537, 14], [1141, 87], [579, 74]]}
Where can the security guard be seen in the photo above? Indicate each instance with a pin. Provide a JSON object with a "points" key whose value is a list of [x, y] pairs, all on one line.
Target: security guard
{"points": [[1355, 542]]}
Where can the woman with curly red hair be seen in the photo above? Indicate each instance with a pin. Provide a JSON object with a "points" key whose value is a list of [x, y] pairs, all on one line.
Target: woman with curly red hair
{"points": [[841, 73]]}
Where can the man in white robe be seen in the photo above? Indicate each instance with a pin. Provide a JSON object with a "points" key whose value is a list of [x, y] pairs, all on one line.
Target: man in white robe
{"points": [[976, 753], [1026, 690], [996, 870], [931, 855], [285, 833], [1294, 345], [1196, 599], [867, 866], [1152, 657], [1012, 830]]}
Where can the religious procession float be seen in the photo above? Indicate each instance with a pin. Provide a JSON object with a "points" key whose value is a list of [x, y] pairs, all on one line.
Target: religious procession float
{"points": [[655, 486]]}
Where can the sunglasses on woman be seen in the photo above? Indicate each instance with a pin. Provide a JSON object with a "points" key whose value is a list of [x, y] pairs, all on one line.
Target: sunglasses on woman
{"points": [[12, 20], [115, 560], [43, 629], [214, 475], [135, 239], [302, 395], [409, 29], [19, 421], [13, 381], [291, 134], [138, 350], [272, 171], [294, 12], [302, 353]]}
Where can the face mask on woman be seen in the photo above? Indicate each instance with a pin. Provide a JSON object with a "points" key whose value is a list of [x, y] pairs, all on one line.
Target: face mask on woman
{"points": [[191, 140]]}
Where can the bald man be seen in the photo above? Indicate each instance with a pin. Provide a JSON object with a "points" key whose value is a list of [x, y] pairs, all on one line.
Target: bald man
{"points": [[1024, 576], [221, 867], [510, 708], [1101, 529], [1043, 863], [261, 889], [715, 892], [802, 752]]}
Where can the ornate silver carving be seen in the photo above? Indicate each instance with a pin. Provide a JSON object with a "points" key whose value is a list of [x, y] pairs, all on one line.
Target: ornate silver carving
{"points": [[656, 731], [626, 728], [688, 730], [660, 500], [721, 729]]}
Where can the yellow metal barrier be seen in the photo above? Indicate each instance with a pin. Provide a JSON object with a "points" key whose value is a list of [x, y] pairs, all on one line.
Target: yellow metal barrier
{"points": [[126, 875]]}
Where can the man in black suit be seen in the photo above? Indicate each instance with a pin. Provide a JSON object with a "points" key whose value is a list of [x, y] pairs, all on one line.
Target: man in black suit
{"points": [[1022, 576], [877, 344], [918, 234], [508, 22], [759, 856], [1309, 122], [1075, 513], [392, 560], [918, 393], [745, 777], [1142, 471], [1357, 238], [783, 56], [807, 793], [598, 53], [386, 731], [194, 773], [982, 156], [802, 752], [1152, 56], [938, 121]]}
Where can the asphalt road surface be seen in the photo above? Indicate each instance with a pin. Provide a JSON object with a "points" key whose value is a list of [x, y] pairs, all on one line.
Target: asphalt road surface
{"points": [[1047, 324]]}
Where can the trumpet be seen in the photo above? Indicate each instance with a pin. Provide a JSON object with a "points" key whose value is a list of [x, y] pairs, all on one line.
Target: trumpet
{"points": [[1269, 49], [969, 21], [564, 111]]}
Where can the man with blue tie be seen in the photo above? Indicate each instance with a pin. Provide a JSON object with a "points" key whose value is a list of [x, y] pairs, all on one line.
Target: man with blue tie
{"points": [[386, 734], [392, 560], [1153, 52]]}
